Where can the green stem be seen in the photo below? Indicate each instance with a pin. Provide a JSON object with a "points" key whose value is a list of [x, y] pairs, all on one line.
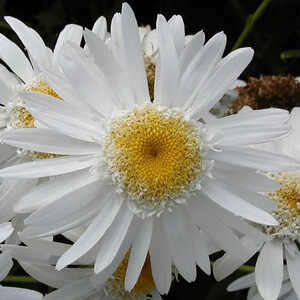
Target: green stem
{"points": [[251, 21], [247, 269], [19, 279], [290, 54]]}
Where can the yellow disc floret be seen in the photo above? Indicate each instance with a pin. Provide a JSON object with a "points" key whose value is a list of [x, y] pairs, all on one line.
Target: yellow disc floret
{"points": [[288, 205], [155, 154], [144, 286], [21, 117]]}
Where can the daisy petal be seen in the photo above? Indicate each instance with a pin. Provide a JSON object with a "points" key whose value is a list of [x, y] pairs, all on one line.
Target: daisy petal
{"points": [[31, 40], [269, 270], [100, 28], [14, 57], [177, 30], [48, 167], [49, 276], [161, 263], [168, 77], [71, 33], [6, 264], [93, 234], [201, 67], [191, 49], [68, 204], [227, 264], [138, 253], [255, 159], [111, 242], [226, 199], [133, 54], [49, 191], [177, 229], [293, 264], [48, 141], [12, 293], [6, 229], [227, 71]]}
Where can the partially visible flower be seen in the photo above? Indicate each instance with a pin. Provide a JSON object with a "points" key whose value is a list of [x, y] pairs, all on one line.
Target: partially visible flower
{"points": [[79, 281], [24, 75], [281, 242], [268, 91]]}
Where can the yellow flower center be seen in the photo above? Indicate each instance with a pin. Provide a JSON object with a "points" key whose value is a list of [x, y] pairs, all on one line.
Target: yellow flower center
{"points": [[288, 202], [154, 154], [21, 118], [144, 286]]}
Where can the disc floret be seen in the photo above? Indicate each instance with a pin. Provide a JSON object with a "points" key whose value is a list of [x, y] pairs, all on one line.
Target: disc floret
{"points": [[155, 156]]}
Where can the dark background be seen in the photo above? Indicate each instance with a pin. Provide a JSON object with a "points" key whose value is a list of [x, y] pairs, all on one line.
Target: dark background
{"points": [[277, 30]]}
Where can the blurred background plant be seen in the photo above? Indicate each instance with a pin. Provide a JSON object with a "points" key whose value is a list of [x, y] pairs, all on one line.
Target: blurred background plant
{"points": [[271, 27]]}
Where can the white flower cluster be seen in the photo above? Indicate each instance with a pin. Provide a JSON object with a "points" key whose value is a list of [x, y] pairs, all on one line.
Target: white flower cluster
{"points": [[112, 145]]}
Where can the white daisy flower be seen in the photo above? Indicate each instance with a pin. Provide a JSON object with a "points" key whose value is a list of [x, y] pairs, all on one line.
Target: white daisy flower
{"points": [[79, 281], [144, 175], [26, 75], [248, 282], [281, 242], [13, 293]]}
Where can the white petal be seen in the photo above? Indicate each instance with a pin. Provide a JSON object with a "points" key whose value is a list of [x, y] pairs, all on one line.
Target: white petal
{"points": [[201, 67], [201, 250], [293, 264], [48, 167], [48, 141], [228, 200], [255, 159], [177, 30], [138, 253], [86, 81], [166, 93], [80, 197], [242, 283], [271, 116], [12, 293], [227, 264], [71, 33], [221, 235], [134, 55], [6, 264], [47, 275], [111, 68], [14, 57], [160, 259], [100, 28], [234, 175], [49, 191], [93, 233], [269, 270], [76, 290], [178, 232], [191, 50], [63, 117], [6, 230], [113, 238], [226, 73], [31, 40]]}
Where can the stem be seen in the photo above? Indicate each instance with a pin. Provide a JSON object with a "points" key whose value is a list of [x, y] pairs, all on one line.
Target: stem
{"points": [[250, 22], [290, 54], [19, 279], [247, 269]]}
